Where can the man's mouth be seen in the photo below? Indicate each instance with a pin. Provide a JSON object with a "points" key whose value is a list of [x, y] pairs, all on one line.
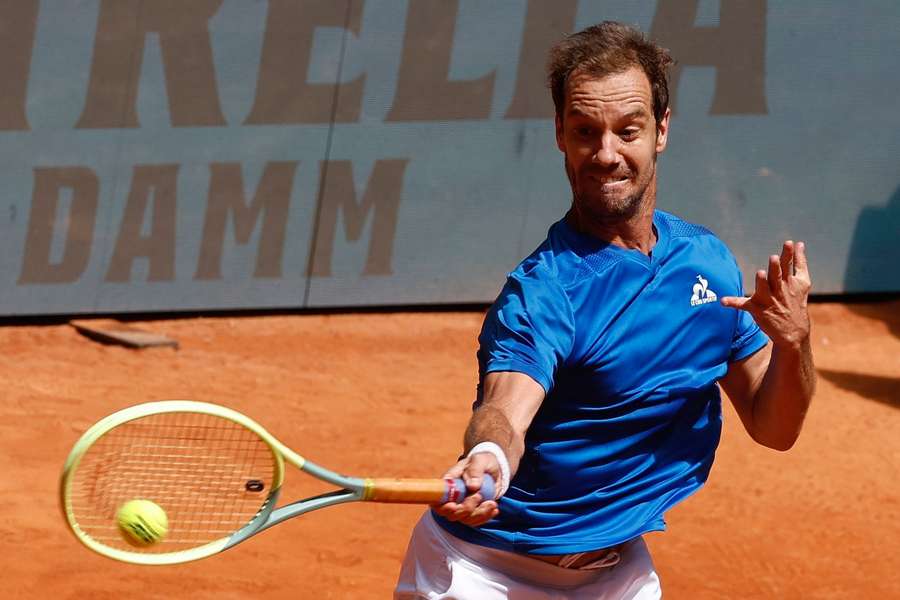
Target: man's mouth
{"points": [[609, 180]]}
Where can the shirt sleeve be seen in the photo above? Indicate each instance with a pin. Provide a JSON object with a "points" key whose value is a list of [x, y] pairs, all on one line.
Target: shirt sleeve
{"points": [[529, 329], [748, 337]]}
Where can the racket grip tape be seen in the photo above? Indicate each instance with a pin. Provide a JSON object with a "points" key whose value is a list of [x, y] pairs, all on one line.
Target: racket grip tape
{"points": [[424, 491], [457, 491]]}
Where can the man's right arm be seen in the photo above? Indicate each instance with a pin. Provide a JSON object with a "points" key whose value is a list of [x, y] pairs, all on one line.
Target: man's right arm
{"points": [[510, 401]]}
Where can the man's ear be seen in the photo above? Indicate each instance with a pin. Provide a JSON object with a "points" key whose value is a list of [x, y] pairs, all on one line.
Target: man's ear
{"points": [[560, 139], [662, 131]]}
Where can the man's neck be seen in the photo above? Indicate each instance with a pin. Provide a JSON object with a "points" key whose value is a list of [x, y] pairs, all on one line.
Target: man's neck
{"points": [[636, 232]]}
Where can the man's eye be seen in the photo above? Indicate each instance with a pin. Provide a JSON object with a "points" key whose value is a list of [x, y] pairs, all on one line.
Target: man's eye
{"points": [[629, 134], [583, 131]]}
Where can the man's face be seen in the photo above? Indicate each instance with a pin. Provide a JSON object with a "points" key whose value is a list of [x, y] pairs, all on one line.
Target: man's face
{"points": [[610, 140]]}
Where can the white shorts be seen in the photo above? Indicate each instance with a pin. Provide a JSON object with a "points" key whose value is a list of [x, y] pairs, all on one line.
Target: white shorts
{"points": [[438, 565]]}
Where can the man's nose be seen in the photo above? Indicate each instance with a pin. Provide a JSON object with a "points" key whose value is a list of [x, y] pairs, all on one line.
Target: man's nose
{"points": [[607, 151]]}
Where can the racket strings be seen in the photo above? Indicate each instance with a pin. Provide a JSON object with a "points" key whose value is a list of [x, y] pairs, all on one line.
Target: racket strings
{"points": [[210, 475]]}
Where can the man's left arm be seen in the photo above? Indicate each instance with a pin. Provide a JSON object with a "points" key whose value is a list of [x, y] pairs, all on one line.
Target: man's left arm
{"points": [[771, 389]]}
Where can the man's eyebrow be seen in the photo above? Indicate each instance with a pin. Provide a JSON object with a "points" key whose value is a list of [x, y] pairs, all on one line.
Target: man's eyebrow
{"points": [[576, 112], [637, 113]]}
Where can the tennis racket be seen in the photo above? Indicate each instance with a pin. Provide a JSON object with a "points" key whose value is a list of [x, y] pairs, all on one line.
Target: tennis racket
{"points": [[217, 475]]}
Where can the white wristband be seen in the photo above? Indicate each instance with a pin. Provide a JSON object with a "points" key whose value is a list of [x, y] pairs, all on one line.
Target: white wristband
{"points": [[500, 455]]}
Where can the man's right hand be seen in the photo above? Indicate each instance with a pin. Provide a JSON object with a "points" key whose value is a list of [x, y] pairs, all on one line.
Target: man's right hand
{"points": [[474, 510], [510, 401]]}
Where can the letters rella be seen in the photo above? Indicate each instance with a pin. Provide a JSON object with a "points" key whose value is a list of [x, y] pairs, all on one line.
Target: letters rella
{"points": [[424, 91]]}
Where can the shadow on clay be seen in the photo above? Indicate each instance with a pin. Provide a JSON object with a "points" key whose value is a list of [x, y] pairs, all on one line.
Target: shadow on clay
{"points": [[873, 259], [874, 387]]}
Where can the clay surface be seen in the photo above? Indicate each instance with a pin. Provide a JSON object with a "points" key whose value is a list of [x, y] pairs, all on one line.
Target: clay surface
{"points": [[389, 395]]}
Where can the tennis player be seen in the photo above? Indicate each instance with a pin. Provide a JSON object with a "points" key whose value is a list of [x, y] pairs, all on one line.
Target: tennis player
{"points": [[598, 407]]}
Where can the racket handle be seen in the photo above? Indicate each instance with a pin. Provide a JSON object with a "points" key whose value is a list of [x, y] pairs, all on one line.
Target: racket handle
{"points": [[424, 491], [457, 491]]}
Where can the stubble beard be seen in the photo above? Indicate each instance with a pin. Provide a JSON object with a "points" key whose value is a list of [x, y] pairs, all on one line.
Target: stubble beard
{"points": [[610, 209]]}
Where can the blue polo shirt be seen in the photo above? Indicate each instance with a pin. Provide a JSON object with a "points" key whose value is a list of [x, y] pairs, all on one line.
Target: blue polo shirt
{"points": [[628, 348]]}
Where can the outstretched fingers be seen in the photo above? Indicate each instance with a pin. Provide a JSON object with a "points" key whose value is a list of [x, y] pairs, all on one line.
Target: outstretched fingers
{"points": [[778, 303], [787, 260], [762, 295], [773, 279], [739, 302], [800, 265]]}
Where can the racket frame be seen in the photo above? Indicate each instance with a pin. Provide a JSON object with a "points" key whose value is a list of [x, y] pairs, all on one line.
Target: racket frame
{"points": [[353, 488]]}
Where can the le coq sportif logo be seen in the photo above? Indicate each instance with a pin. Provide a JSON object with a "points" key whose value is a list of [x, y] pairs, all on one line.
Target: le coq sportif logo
{"points": [[702, 294]]}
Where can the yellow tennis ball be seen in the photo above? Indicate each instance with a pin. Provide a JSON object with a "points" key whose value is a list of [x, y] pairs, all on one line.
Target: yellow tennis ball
{"points": [[142, 522]]}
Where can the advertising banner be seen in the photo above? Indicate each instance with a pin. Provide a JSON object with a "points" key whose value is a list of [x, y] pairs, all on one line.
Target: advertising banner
{"points": [[221, 154]]}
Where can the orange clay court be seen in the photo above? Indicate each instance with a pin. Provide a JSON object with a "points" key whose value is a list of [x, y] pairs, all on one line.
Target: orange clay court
{"points": [[389, 395]]}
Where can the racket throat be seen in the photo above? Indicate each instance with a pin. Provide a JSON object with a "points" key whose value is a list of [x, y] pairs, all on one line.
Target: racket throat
{"points": [[288, 511], [258, 523]]}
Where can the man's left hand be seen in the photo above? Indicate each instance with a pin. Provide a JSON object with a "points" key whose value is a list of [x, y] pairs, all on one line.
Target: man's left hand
{"points": [[778, 304]]}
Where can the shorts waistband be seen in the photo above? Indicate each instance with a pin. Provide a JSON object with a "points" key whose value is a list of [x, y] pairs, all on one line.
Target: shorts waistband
{"points": [[596, 559], [521, 566]]}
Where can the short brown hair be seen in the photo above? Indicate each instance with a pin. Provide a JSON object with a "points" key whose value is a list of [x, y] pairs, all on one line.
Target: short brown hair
{"points": [[606, 49]]}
